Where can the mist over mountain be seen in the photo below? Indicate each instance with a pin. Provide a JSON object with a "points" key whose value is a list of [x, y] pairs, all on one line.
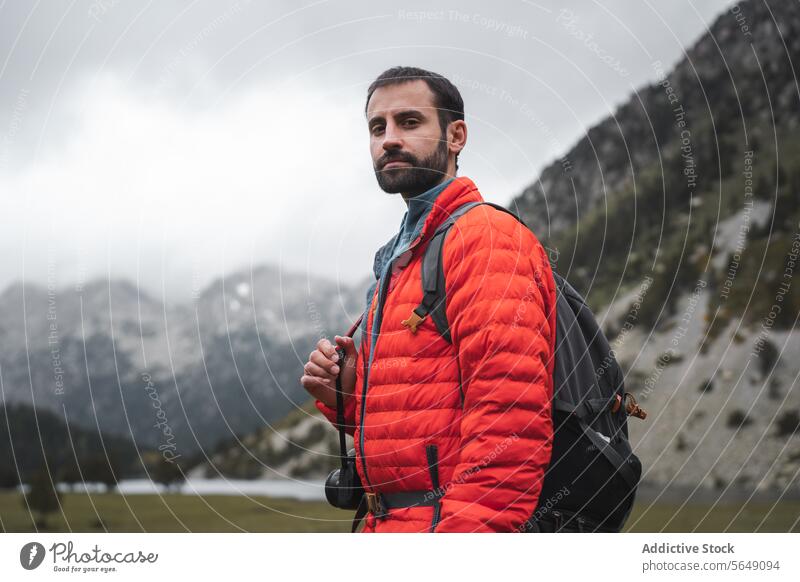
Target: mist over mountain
{"points": [[118, 360]]}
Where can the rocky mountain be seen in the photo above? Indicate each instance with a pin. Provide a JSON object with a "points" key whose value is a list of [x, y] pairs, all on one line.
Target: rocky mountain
{"points": [[117, 359], [678, 218], [299, 446], [733, 89]]}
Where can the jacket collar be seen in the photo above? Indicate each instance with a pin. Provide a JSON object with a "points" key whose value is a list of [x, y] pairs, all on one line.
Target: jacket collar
{"points": [[418, 208], [458, 192]]}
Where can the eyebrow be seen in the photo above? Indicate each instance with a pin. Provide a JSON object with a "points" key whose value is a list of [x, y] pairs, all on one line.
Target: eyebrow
{"points": [[398, 115]]}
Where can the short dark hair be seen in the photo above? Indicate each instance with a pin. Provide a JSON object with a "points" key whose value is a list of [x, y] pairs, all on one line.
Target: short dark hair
{"points": [[446, 97]]}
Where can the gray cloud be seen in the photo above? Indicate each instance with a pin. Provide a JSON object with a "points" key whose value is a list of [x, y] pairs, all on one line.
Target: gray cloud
{"points": [[534, 76]]}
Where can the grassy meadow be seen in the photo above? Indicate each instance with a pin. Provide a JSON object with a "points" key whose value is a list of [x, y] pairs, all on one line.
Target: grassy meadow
{"points": [[225, 513]]}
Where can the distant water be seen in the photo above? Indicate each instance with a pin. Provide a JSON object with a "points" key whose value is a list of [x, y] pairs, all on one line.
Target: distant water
{"points": [[293, 489]]}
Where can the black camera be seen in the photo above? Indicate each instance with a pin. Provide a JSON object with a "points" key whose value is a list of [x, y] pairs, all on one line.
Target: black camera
{"points": [[343, 486]]}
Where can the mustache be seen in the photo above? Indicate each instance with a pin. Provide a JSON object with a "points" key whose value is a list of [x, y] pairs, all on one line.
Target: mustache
{"points": [[395, 158]]}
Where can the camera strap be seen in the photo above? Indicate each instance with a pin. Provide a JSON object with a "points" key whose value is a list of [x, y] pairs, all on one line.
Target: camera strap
{"points": [[340, 398], [340, 414], [361, 511]]}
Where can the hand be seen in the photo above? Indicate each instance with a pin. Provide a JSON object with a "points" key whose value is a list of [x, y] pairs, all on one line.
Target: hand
{"points": [[319, 377]]}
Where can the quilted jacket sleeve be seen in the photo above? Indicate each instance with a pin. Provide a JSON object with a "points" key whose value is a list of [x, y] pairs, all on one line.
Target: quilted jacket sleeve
{"points": [[498, 302]]}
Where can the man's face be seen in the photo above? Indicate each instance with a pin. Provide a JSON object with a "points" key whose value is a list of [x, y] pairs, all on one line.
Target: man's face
{"points": [[404, 128]]}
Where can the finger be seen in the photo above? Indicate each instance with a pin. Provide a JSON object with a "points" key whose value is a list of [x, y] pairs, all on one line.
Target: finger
{"points": [[325, 346], [313, 369], [316, 387], [315, 381], [323, 383], [350, 353], [320, 360], [347, 344]]}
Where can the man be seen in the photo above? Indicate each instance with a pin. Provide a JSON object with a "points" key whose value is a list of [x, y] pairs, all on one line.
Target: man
{"points": [[449, 436]]}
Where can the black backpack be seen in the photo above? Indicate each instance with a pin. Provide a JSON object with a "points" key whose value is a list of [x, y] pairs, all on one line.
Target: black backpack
{"points": [[591, 482]]}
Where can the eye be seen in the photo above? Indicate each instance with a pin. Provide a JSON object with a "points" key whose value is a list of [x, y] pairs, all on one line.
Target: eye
{"points": [[376, 129], [411, 122]]}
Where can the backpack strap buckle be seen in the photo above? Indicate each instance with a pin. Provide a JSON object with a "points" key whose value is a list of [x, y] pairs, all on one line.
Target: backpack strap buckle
{"points": [[632, 408], [414, 320], [374, 505]]}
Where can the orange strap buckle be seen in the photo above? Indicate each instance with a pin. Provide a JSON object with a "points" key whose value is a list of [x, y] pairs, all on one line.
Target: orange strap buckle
{"points": [[372, 503], [632, 408], [413, 321]]}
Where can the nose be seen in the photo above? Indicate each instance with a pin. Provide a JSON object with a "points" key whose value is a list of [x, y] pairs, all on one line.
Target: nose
{"points": [[391, 138]]}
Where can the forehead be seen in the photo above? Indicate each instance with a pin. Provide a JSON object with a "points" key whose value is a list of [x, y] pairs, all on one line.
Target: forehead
{"points": [[390, 98]]}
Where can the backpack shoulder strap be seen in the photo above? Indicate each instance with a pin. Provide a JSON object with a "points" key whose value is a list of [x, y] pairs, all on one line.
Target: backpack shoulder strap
{"points": [[434, 298]]}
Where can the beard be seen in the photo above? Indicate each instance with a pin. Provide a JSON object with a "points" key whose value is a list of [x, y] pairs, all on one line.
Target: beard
{"points": [[420, 176]]}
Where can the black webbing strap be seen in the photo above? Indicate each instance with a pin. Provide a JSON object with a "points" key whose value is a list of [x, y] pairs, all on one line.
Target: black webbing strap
{"points": [[340, 413], [361, 511], [580, 413], [620, 464], [564, 521], [398, 499], [434, 298], [587, 410], [401, 499]]}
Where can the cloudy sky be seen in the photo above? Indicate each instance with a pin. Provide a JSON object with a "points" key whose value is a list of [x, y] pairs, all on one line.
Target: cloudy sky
{"points": [[173, 142]]}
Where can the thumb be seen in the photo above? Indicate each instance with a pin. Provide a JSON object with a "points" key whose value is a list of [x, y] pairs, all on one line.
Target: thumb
{"points": [[347, 344]]}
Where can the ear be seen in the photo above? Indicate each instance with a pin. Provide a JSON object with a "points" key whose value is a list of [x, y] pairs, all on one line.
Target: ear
{"points": [[456, 136]]}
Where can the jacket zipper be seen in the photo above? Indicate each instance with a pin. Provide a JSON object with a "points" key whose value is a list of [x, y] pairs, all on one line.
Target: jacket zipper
{"points": [[382, 291], [432, 454], [364, 392]]}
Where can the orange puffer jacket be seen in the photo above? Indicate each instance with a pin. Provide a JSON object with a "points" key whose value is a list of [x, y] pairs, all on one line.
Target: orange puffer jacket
{"points": [[474, 414]]}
